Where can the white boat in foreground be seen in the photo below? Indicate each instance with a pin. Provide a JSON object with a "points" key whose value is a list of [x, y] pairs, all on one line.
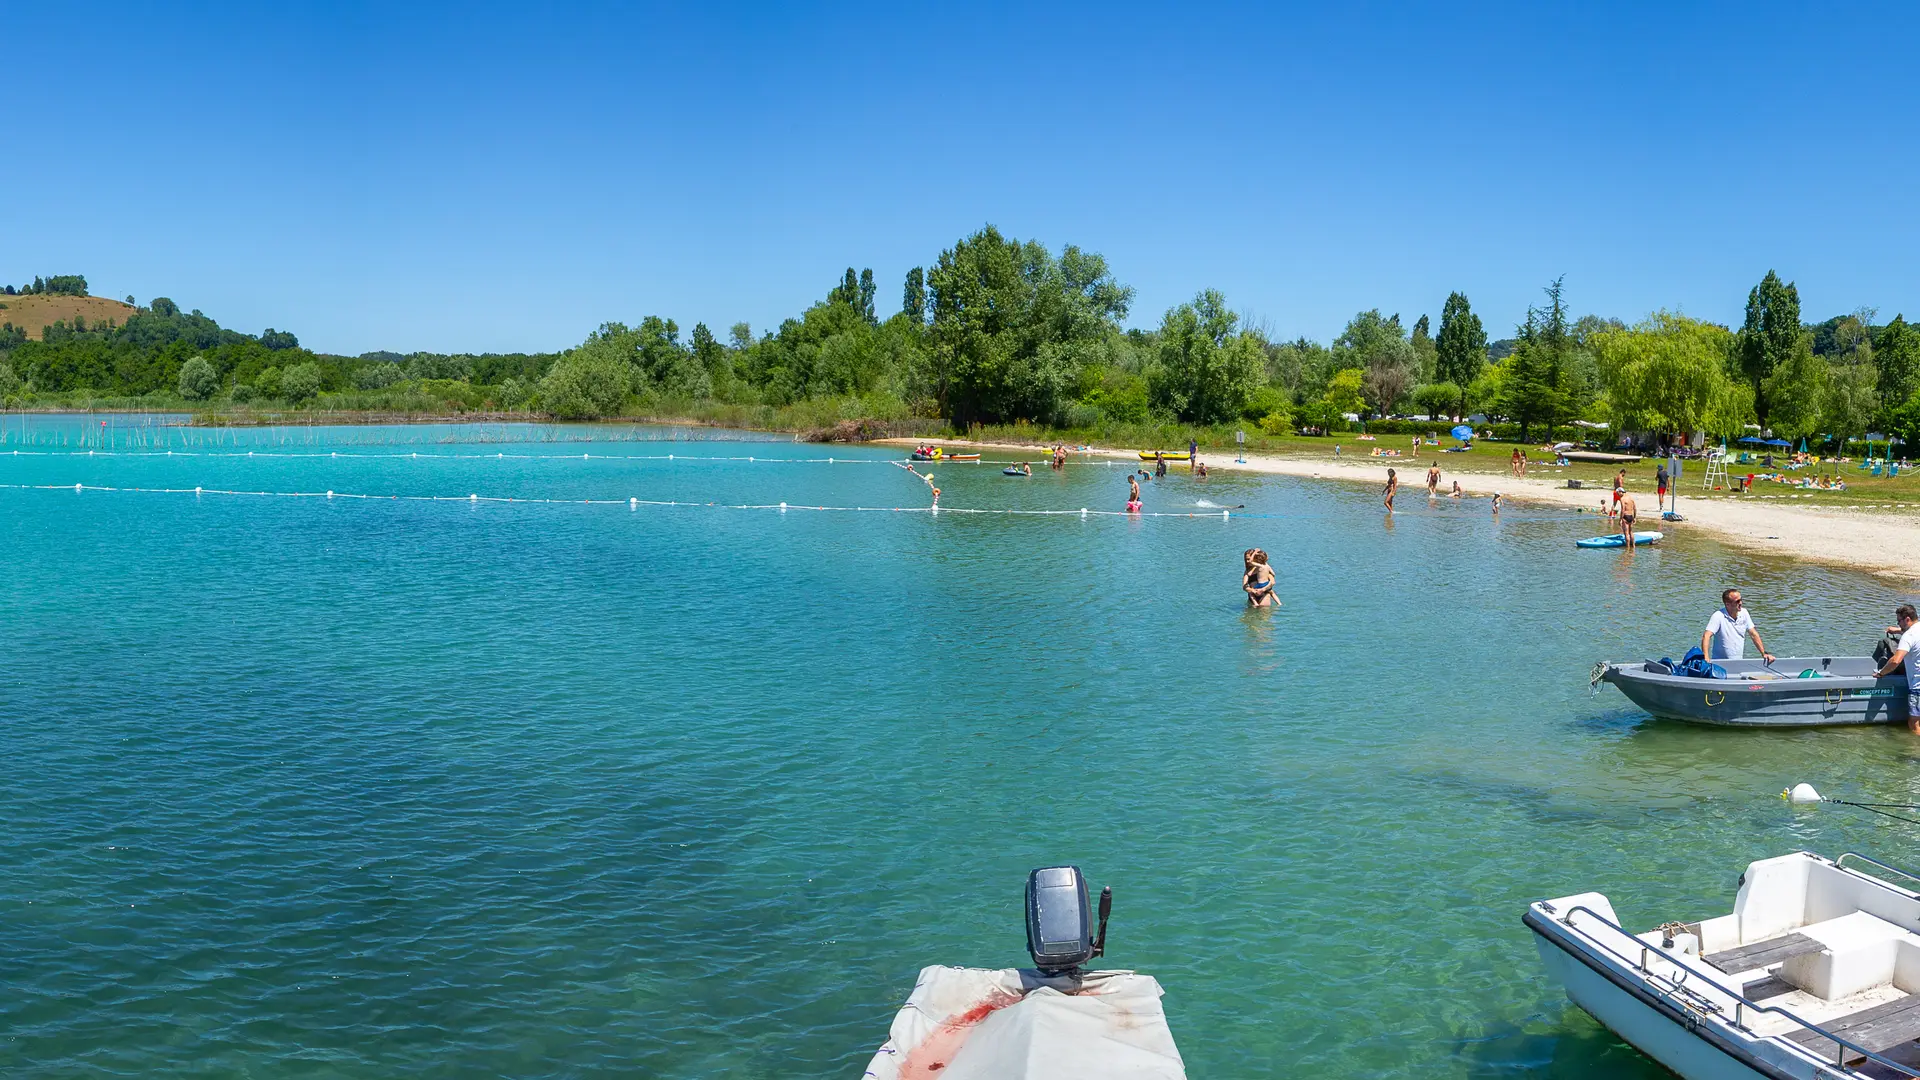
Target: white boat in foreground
{"points": [[1814, 975]]}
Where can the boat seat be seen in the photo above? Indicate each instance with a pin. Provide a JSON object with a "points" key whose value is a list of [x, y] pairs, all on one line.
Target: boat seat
{"points": [[1879, 1028], [1763, 954], [1857, 952]]}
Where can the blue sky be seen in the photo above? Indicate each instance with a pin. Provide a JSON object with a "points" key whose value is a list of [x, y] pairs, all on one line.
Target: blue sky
{"points": [[462, 177]]}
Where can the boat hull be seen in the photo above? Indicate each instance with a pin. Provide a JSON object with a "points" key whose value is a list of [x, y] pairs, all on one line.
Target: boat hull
{"points": [[1648, 1025], [1744, 699]]}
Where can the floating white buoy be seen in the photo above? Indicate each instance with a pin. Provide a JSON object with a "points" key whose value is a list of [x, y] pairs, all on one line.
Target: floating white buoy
{"points": [[669, 457], [783, 508], [1803, 793], [1083, 511], [1223, 515], [329, 494], [633, 503], [196, 491], [76, 489], [473, 498]]}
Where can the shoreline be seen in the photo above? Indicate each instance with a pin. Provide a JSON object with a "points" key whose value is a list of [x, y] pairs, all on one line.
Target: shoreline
{"points": [[1886, 544]]}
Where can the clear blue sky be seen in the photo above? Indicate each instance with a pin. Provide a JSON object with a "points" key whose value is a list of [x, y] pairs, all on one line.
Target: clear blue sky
{"points": [[461, 178]]}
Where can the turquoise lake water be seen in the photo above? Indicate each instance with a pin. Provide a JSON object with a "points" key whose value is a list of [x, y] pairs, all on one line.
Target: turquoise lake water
{"points": [[356, 788]]}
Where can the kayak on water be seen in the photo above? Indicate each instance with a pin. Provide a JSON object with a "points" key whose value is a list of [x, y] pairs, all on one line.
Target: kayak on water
{"points": [[1617, 541], [1170, 455]]}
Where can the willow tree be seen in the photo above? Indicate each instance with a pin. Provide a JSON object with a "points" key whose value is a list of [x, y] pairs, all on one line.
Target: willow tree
{"points": [[1208, 368], [1669, 374]]}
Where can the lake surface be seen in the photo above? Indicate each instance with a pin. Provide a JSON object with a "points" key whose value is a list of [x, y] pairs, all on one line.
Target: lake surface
{"points": [[367, 788]]}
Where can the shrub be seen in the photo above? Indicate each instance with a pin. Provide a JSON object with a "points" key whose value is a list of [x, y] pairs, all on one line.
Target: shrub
{"points": [[585, 387], [267, 383], [242, 392], [377, 376], [301, 382], [9, 382], [198, 380], [1276, 423]]}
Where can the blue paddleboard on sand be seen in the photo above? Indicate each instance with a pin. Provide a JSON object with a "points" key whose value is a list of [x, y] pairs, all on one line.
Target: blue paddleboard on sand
{"points": [[1616, 540]]}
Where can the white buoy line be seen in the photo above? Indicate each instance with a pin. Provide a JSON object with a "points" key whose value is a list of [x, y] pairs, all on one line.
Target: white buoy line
{"points": [[694, 459], [630, 502]]}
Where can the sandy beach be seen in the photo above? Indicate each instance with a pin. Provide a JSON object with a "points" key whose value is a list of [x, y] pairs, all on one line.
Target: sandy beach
{"points": [[1885, 542]]}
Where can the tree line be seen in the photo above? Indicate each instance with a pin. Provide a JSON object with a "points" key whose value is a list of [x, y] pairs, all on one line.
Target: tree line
{"points": [[1000, 330], [57, 285]]}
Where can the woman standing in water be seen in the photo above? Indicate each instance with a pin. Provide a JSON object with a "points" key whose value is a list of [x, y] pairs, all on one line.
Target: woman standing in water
{"points": [[1393, 485], [1258, 582]]}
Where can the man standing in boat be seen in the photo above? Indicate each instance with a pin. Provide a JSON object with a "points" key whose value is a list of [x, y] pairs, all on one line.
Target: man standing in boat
{"points": [[1728, 629], [1906, 654]]}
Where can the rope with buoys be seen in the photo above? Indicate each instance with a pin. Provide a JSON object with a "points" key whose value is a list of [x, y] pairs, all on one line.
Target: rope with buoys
{"points": [[630, 502]]}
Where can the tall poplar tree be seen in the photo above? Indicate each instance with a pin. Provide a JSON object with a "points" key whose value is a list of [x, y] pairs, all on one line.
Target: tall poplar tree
{"points": [[1460, 352], [913, 302], [1769, 338], [867, 292], [1896, 353]]}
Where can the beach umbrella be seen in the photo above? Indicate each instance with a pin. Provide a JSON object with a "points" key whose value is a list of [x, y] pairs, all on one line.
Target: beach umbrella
{"points": [[1754, 439], [1778, 442], [1463, 432], [1803, 444]]}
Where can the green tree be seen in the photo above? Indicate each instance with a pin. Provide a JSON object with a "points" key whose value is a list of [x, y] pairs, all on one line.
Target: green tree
{"points": [[164, 307], [589, 382], [1795, 392], [913, 304], [1437, 399], [1770, 337], [1013, 326], [198, 380], [867, 291], [1851, 401], [1206, 371], [1341, 397], [1460, 353], [1669, 374], [1424, 349], [1896, 353], [301, 382]]}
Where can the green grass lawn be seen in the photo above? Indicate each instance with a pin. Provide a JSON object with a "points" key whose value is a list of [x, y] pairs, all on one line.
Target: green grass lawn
{"points": [[1490, 458]]}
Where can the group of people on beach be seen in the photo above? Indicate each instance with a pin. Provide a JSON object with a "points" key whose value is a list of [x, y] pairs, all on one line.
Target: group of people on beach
{"points": [[1433, 488]]}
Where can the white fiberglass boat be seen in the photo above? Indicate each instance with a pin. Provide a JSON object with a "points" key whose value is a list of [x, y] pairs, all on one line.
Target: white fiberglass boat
{"points": [[1815, 975]]}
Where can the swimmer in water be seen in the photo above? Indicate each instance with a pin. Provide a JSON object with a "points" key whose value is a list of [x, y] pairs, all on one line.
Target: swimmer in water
{"points": [[1258, 583], [1393, 485], [1133, 495], [1496, 502], [1456, 492]]}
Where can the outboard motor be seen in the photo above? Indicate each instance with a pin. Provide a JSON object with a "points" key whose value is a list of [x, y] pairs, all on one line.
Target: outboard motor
{"points": [[1883, 652], [1060, 934]]}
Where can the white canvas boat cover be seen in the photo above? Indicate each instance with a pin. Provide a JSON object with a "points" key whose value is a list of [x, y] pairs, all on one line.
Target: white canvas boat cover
{"points": [[973, 1024]]}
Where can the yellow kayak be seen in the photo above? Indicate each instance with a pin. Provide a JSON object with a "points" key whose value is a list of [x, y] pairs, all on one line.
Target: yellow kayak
{"points": [[1170, 455]]}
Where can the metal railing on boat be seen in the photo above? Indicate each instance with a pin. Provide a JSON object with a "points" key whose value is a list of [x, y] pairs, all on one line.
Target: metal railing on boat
{"points": [[1845, 855], [1741, 1003]]}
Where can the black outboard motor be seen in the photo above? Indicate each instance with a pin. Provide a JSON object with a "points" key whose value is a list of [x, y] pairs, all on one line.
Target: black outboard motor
{"points": [[1060, 934], [1883, 652]]}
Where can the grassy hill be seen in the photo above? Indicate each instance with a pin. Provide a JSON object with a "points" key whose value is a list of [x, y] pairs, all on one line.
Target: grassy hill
{"points": [[33, 313]]}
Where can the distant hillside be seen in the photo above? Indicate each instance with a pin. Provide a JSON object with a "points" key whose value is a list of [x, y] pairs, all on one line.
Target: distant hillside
{"points": [[31, 313]]}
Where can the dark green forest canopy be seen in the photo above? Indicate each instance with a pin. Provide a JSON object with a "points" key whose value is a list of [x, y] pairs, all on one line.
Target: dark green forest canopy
{"points": [[996, 329]]}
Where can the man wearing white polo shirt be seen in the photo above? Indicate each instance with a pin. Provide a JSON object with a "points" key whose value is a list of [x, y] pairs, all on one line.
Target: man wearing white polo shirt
{"points": [[1728, 630], [1906, 654]]}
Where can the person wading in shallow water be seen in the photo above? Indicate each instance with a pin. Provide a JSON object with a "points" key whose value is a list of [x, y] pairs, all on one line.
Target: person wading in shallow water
{"points": [[1433, 480], [1393, 485], [1257, 582], [1133, 494]]}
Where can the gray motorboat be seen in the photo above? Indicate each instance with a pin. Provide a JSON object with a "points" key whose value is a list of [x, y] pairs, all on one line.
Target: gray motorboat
{"points": [[1790, 692]]}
